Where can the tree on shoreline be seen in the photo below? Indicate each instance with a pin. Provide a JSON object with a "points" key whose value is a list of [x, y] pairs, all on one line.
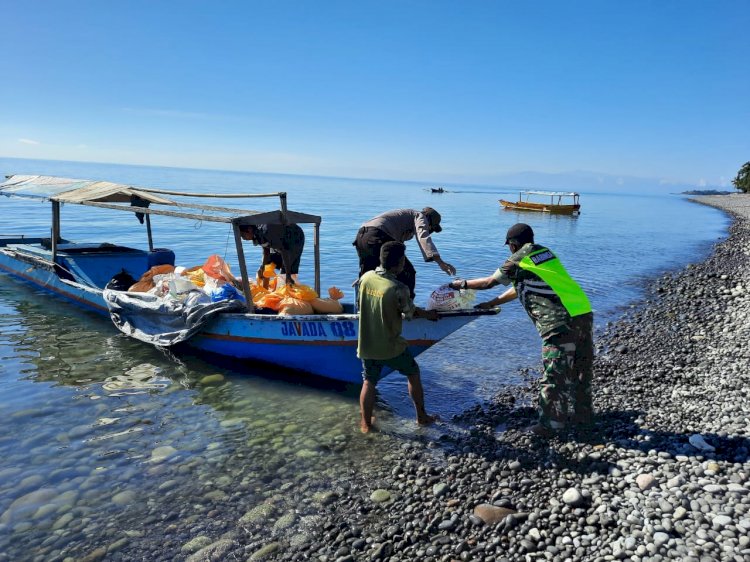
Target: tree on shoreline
{"points": [[742, 181]]}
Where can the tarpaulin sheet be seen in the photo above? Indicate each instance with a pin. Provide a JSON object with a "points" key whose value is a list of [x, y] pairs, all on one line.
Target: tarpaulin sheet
{"points": [[161, 322]]}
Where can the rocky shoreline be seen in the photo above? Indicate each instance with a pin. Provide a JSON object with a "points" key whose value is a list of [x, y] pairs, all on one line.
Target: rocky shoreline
{"points": [[665, 474]]}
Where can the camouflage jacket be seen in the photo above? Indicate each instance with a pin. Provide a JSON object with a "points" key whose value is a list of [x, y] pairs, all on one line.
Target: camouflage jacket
{"points": [[541, 303]]}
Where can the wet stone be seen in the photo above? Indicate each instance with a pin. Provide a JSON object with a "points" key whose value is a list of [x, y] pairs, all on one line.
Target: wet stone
{"points": [[572, 497], [265, 552], [491, 514], [380, 496], [211, 380], [440, 489], [194, 545]]}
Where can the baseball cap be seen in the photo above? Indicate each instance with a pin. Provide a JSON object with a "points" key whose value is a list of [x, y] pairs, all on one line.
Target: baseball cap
{"points": [[433, 217], [519, 233]]}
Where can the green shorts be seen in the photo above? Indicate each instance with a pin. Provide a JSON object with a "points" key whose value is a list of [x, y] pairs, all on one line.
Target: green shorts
{"points": [[404, 364]]}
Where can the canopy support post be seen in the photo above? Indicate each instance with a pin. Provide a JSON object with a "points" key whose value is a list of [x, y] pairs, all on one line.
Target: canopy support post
{"points": [[243, 266], [316, 245], [148, 232], [55, 234]]}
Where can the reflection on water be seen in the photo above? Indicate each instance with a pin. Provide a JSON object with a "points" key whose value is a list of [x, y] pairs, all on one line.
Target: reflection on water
{"points": [[137, 380]]}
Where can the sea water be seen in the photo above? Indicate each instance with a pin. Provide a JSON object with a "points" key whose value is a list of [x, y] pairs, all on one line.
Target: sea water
{"points": [[103, 434]]}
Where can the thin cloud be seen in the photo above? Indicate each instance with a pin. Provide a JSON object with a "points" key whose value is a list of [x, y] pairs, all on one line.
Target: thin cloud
{"points": [[169, 113], [28, 141]]}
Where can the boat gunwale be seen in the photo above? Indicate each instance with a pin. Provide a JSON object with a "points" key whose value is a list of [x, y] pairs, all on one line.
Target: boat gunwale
{"points": [[48, 266]]}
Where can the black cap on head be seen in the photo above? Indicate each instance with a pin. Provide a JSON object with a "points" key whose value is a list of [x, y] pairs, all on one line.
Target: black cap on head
{"points": [[433, 217], [519, 234], [391, 253]]}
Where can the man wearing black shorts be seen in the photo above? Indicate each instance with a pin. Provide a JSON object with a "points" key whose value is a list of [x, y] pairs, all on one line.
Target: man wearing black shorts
{"points": [[400, 225], [383, 299]]}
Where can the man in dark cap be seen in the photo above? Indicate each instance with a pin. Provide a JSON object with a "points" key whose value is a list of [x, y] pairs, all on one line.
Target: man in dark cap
{"points": [[562, 314], [383, 302], [400, 225]]}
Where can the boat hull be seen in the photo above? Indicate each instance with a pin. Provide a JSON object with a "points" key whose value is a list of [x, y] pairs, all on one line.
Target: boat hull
{"points": [[541, 207], [320, 345]]}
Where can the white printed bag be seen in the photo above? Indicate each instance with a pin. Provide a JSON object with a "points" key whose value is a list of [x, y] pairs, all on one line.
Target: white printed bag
{"points": [[444, 298]]}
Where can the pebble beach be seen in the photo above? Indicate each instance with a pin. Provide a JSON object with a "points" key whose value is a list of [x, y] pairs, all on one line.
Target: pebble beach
{"points": [[664, 475]]}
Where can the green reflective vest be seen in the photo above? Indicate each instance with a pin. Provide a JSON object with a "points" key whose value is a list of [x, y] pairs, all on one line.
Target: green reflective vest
{"points": [[545, 264]]}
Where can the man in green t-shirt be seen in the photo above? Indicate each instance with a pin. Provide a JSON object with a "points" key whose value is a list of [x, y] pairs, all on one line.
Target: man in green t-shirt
{"points": [[383, 300], [562, 314]]}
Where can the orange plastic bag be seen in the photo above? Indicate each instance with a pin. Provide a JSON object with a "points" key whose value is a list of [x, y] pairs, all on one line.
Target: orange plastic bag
{"points": [[335, 293], [289, 306], [330, 305], [257, 292], [297, 291], [327, 306], [142, 286], [146, 282], [269, 300]]}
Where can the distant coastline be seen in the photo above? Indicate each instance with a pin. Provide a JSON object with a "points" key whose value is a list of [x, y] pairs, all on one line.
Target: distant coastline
{"points": [[707, 192]]}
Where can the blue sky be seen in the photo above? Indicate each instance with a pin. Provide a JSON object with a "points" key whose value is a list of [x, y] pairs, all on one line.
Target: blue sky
{"points": [[472, 91]]}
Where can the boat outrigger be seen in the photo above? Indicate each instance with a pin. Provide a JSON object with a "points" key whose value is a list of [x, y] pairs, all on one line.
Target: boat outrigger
{"points": [[323, 345], [560, 202]]}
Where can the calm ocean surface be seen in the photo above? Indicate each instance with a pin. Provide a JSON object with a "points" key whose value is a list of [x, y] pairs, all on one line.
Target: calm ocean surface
{"points": [[93, 420]]}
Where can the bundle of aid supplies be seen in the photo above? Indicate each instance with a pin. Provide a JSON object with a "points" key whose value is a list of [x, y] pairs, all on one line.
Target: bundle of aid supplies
{"points": [[445, 299], [214, 281]]}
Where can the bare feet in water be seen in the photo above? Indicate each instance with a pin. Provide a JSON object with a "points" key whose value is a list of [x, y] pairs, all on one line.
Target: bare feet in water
{"points": [[427, 419], [367, 427]]}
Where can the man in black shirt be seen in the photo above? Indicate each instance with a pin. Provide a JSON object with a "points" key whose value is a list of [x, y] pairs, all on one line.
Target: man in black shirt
{"points": [[282, 245]]}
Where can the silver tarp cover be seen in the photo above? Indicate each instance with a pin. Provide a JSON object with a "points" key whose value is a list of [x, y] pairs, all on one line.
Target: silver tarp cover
{"points": [[68, 190], [161, 322]]}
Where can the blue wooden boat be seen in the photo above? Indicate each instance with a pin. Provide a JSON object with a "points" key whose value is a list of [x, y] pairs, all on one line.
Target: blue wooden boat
{"points": [[322, 345]]}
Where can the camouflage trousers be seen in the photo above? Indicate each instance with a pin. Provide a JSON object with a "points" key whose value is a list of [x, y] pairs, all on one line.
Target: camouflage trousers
{"points": [[568, 358]]}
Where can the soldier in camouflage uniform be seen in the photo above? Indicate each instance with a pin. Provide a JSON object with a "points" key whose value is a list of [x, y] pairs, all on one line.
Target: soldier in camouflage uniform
{"points": [[562, 314]]}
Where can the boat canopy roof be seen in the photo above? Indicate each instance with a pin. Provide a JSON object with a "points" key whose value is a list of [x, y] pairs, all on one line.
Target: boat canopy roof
{"points": [[553, 193], [68, 190], [125, 197]]}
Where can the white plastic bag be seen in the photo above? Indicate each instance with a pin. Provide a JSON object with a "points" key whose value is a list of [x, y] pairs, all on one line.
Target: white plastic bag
{"points": [[179, 287], [444, 298], [161, 284]]}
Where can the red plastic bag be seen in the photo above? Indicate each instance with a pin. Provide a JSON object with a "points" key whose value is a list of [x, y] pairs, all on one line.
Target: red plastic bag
{"points": [[217, 268]]}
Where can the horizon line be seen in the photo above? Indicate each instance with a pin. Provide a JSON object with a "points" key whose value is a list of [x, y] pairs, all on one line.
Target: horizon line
{"points": [[657, 182]]}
